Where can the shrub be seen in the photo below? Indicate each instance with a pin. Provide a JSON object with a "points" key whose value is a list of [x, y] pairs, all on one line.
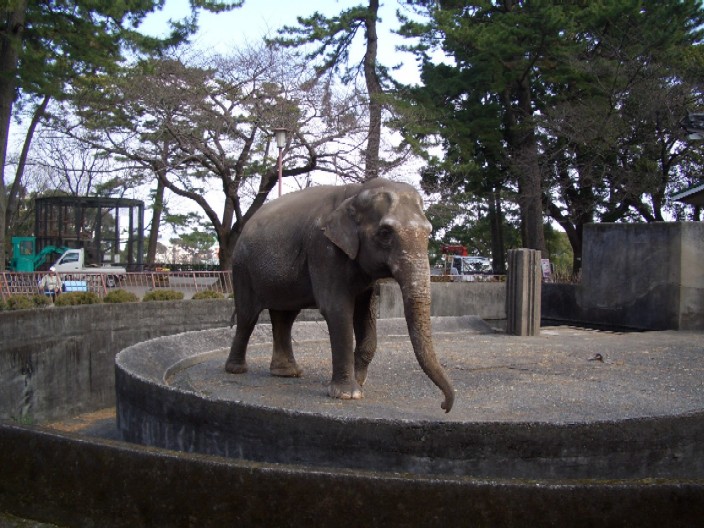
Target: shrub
{"points": [[163, 295], [19, 302], [120, 296], [41, 301], [207, 294], [74, 298]]}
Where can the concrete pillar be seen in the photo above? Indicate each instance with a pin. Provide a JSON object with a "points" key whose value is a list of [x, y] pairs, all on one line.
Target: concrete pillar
{"points": [[523, 292]]}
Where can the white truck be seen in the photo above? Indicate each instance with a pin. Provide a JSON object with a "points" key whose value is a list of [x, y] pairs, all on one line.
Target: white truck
{"points": [[71, 266], [468, 269]]}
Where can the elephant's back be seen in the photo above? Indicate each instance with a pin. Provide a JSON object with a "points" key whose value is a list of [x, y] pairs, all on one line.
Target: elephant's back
{"points": [[304, 203], [281, 228]]}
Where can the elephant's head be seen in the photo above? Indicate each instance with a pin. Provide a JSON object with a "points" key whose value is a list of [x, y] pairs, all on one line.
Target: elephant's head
{"points": [[384, 230]]}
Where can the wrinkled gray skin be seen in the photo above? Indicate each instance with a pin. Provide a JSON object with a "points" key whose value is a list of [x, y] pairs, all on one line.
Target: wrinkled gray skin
{"points": [[325, 247]]}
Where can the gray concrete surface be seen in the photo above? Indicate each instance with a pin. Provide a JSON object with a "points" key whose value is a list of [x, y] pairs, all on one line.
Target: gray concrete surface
{"points": [[70, 479], [59, 361], [483, 299], [74, 480]]}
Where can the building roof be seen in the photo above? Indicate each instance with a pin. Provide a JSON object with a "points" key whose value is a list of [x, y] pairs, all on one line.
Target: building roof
{"points": [[693, 195], [89, 201]]}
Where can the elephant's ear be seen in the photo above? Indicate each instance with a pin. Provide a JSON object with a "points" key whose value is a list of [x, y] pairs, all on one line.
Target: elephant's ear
{"points": [[340, 227]]}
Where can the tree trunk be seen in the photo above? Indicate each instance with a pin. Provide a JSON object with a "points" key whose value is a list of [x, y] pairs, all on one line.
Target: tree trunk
{"points": [[157, 210], [530, 181], [497, 233], [226, 247], [10, 46], [374, 91], [13, 195], [523, 147]]}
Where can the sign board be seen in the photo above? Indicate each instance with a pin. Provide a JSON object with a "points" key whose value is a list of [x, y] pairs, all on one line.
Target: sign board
{"points": [[547, 269]]}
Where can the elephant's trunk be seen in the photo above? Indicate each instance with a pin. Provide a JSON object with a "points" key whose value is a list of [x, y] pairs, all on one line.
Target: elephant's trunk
{"points": [[414, 278]]}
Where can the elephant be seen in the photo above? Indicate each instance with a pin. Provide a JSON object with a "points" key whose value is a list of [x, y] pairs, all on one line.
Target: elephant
{"points": [[325, 247]]}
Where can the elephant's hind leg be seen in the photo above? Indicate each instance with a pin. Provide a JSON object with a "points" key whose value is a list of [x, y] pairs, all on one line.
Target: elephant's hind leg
{"points": [[283, 362], [236, 361]]}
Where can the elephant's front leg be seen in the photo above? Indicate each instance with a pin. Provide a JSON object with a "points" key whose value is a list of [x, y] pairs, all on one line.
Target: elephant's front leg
{"points": [[343, 384], [365, 333]]}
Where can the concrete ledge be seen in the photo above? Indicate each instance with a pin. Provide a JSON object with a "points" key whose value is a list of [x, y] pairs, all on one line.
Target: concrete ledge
{"points": [[77, 481], [483, 299]]}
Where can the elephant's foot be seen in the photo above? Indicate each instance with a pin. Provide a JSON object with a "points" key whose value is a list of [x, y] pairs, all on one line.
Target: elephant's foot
{"points": [[235, 368], [285, 369], [345, 390]]}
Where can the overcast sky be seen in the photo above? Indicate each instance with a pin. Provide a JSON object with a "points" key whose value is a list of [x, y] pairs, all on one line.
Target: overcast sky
{"points": [[259, 18]]}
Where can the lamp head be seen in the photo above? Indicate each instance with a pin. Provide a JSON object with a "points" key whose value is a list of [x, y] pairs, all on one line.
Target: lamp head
{"points": [[280, 136]]}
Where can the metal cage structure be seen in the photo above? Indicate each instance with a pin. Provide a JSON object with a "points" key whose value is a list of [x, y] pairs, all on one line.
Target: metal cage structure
{"points": [[111, 230]]}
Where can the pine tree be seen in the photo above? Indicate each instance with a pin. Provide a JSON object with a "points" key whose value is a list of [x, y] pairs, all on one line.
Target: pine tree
{"points": [[573, 106], [333, 38]]}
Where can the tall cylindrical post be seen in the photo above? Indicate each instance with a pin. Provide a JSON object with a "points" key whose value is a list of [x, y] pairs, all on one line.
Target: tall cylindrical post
{"points": [[280, 168], [523, 292]]}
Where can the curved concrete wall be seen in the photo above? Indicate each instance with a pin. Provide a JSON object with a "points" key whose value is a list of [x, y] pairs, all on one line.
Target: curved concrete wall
{"points": [[150, 411], [78, 481], [60, 361]]}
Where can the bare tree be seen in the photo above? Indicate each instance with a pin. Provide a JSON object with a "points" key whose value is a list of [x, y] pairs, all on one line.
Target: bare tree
{"points": [[206, 126], [69, 166], [48, 47]]}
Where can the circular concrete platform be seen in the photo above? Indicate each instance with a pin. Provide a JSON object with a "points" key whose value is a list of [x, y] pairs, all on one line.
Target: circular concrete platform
{"points": [[569, 404]]}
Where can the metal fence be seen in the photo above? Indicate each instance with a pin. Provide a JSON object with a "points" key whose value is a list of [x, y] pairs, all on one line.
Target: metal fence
{"points": [[188, 282], [475, 277]]}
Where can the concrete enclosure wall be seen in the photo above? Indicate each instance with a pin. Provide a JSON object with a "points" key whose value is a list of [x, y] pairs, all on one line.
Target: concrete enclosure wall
{"points": [[54, 362], [644, 276], [64, 358], [60, 361], [484, 299], [71, 482]]}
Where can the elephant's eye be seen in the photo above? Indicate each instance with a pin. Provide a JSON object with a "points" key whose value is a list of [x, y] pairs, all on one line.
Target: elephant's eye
{"points": [[385, 235]]}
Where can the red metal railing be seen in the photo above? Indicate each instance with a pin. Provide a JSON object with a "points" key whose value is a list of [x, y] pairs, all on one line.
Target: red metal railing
{"points": [[188, 282]]}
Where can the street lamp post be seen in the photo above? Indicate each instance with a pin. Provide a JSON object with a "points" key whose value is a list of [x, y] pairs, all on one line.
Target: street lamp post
{"points": [[280, 136]]}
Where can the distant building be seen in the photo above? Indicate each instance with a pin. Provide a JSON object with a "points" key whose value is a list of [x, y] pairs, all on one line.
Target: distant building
{"points": [[692, 196]]}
